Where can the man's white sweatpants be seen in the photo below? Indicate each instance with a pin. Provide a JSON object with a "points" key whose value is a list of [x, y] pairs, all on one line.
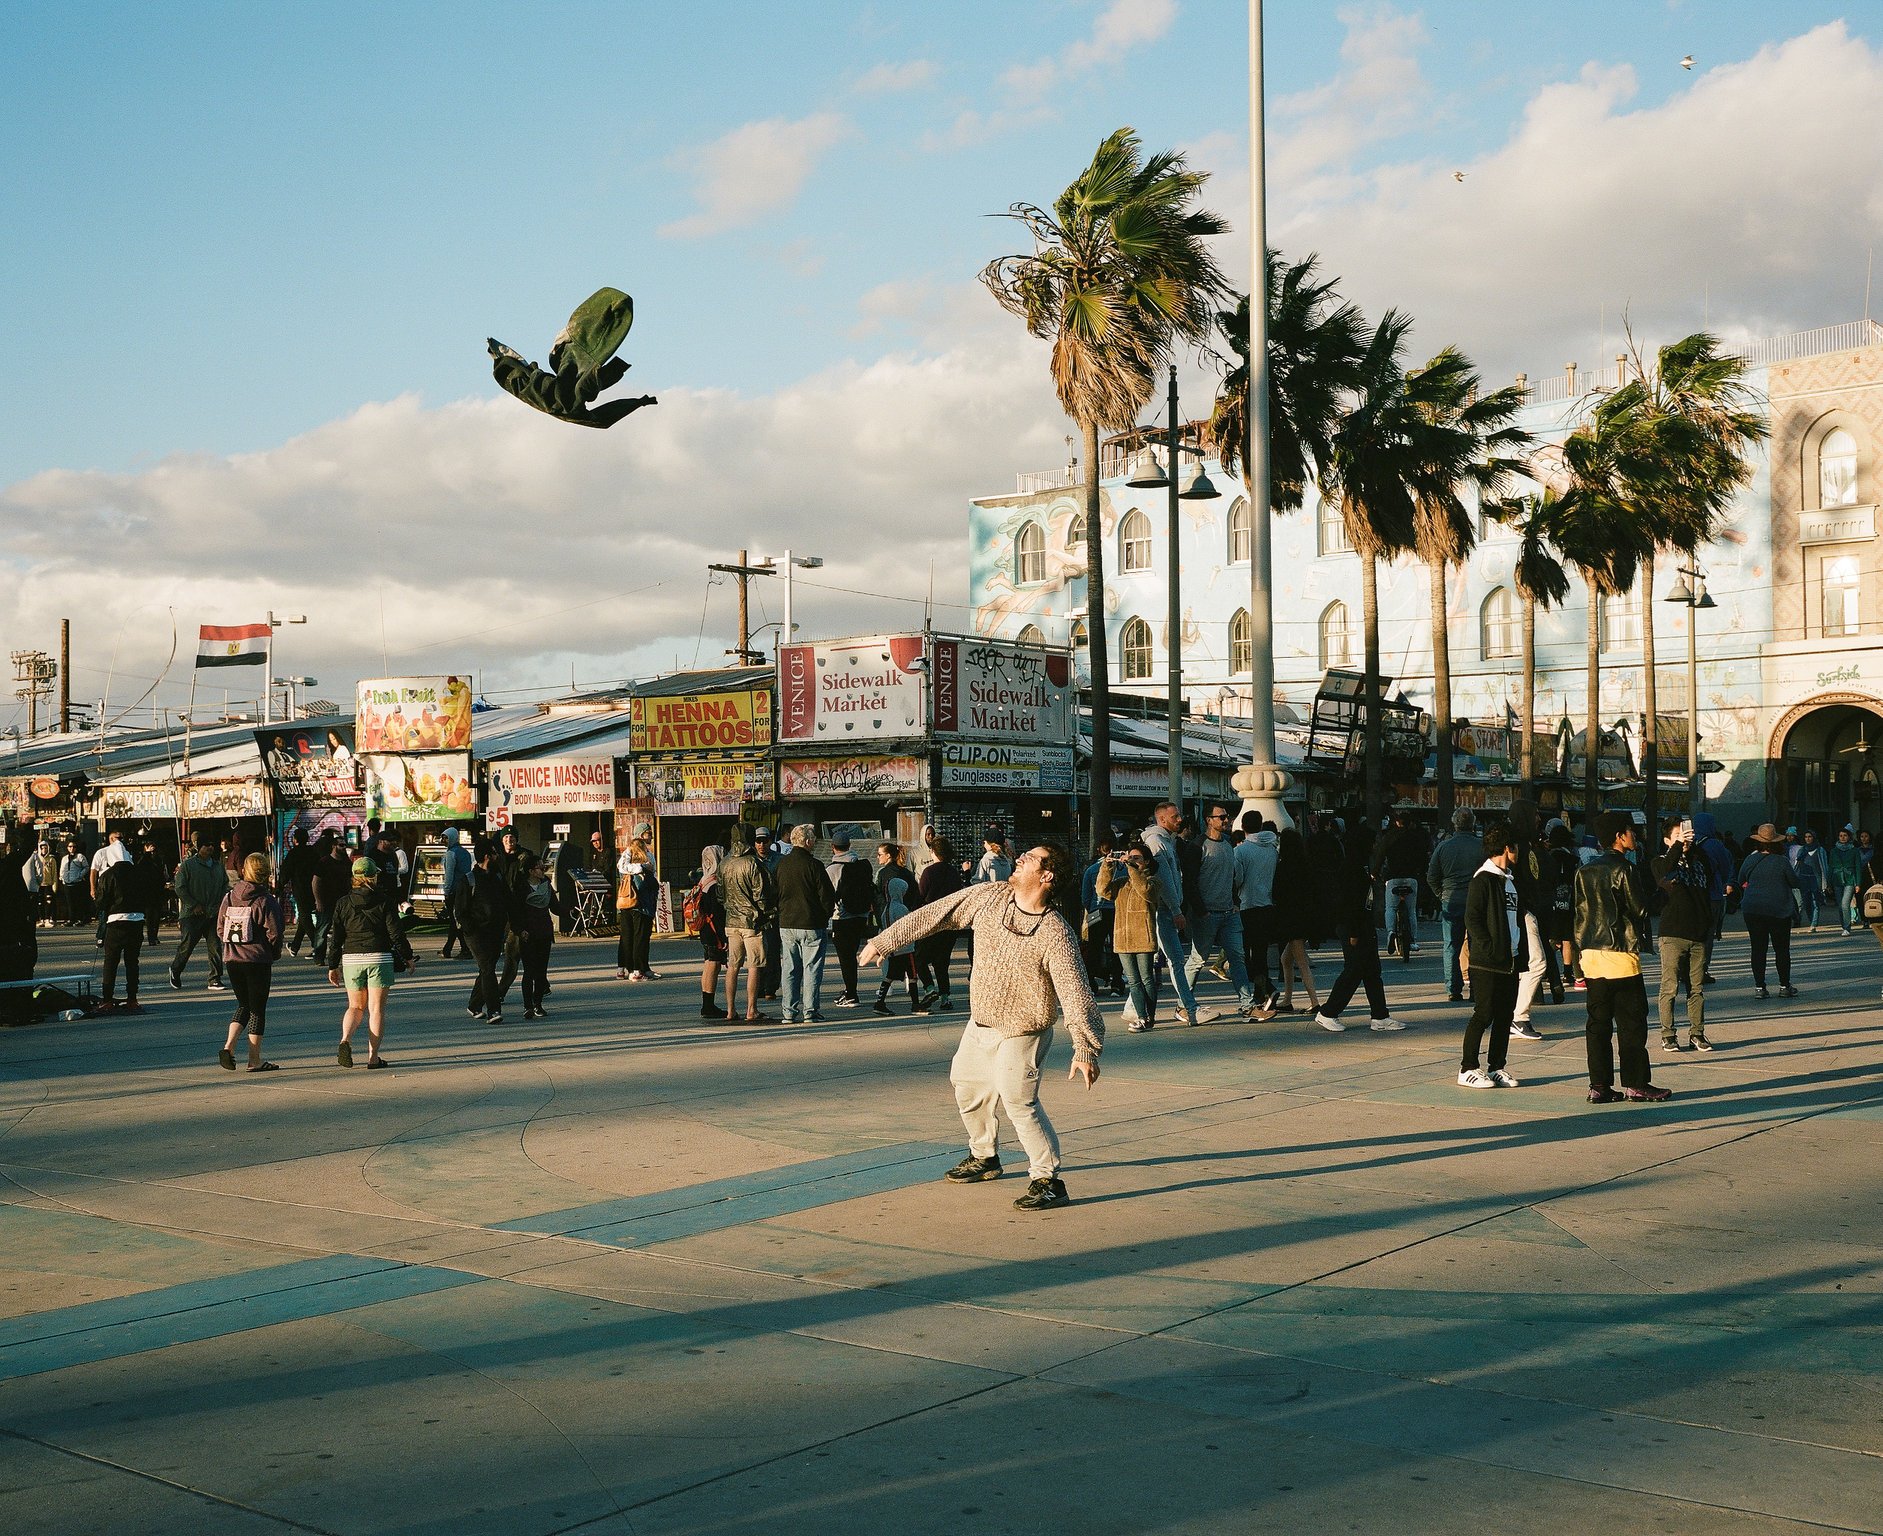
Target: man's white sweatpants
{"points": [[991, 1071], [1531, 979]]}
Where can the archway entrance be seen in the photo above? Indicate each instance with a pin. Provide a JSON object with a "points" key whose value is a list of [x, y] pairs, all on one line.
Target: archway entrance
{"points": [[1827, 760]]}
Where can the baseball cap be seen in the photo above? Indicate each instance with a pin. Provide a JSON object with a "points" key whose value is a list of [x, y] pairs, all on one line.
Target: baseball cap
{"points": [[365, 866], [764, 832]]}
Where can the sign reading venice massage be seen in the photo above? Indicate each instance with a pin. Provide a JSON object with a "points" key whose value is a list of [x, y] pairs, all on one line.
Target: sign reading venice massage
{"points": [[701, 722], [552, 784], [851, 690], [998, 690]]}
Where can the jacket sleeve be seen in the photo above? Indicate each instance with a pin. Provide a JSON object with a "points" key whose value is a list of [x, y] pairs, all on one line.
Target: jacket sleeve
{"points": [[1077, 1006], [1477, 929], [954, 911], [333, 950], [1108, 879], [274, 925]]}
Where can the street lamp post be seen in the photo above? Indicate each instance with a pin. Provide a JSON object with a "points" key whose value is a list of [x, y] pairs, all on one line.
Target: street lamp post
{"points": [[1260, 781], [1690, 592], [793, 563], [1147, 475], [275, 621]]}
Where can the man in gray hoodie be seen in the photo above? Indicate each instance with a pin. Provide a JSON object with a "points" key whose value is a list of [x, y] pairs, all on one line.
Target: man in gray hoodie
{"points": [[1161, 838], [1218, 921]]}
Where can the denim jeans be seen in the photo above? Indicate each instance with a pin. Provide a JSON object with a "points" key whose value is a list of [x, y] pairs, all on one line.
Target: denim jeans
{"points": [[1220, 930], [1141, 979], [1453, 921], [1808, 902], [1847, 913], [1406, 891], [803, 960], [1171, 943]]}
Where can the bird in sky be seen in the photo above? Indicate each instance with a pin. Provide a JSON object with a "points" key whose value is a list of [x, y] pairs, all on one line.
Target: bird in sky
{"points": [[1687, 63], [1457, 175]]}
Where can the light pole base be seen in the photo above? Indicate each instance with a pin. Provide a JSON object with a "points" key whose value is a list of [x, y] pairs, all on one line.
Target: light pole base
{"points": [[1262, 786]]}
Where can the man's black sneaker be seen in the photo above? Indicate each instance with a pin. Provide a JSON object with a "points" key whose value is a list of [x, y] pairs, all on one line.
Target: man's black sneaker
{"points": [[476, 1013], [493, 1018], [883, 1008], [974, 1170], [1604, 1096], [1043, 1195], [176, 982]]}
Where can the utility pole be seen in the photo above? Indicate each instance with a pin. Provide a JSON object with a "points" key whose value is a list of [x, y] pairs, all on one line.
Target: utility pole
{"points": [[36, 670], [743, 572], [65, 676]]}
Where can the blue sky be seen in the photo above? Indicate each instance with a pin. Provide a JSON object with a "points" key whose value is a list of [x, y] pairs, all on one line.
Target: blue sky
{"points": [[253, 251]]}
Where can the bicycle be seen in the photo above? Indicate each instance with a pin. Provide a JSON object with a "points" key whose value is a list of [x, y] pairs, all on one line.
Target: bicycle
{"points": [[1401, 937]]}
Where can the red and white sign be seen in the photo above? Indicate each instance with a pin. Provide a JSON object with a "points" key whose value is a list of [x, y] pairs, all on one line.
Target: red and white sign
{"points": [[231, 645], [997, 690], [851, 690], [546, 785]]}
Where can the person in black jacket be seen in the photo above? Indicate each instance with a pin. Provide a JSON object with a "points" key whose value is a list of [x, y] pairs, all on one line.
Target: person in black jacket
{"points": [[1685, 878], [1359, 940], [538, 917], [805, 902], [366, 944], [932, 954], [850, 922], [19, 915], [297, 880], [1498, 940], [124, 894], [482, 913]]}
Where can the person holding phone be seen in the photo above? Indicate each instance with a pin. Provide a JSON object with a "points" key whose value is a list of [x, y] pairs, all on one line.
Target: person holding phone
{"points": [[1685, 879]]}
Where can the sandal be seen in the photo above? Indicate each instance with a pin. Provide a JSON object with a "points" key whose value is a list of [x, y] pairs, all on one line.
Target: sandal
{"points": [[227, 1058], [377, 1062], [345, 1053], [265, 1066]]}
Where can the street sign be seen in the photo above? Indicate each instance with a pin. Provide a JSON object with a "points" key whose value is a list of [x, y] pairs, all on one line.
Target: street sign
{"points": [[1712, 765]]}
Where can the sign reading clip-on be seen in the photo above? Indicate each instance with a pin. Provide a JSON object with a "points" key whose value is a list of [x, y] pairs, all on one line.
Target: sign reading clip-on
{"points": [[851, 690], [1000, 690], [546, 786]]}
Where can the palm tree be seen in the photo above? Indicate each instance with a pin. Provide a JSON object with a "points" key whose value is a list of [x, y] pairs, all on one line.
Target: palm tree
{"points": [[1314, 344], [1470, 444], [1682, 431], [1541, 582], [1377, 459], [1119, 270], [1597, 530]]}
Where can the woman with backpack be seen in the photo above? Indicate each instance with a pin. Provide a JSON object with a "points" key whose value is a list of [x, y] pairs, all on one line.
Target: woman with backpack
{"points": [[634, 906], [705, 914], [895, 897], [366, 944], [250, 925]]}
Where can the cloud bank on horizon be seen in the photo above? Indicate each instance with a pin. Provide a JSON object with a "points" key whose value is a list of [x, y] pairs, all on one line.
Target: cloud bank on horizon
{"points": [[476, 535]]}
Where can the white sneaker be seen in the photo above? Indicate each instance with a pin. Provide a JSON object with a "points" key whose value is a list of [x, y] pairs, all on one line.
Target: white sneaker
{"points": [[1332, 1026], [1476, 1079], [1387, 1024], [1504, 1080], [1203, 1016]]}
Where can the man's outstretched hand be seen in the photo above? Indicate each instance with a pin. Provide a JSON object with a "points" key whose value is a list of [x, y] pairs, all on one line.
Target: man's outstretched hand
{"points": [[1085, 1069]]}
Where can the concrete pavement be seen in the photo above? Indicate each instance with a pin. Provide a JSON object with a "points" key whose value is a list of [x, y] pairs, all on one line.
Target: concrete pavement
{"points": [[629, 1270]]}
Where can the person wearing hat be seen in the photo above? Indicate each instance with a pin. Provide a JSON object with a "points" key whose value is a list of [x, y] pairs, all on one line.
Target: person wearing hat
{"points": [[771, 968], [1769, 882], [1610, 921], [366, 944]]}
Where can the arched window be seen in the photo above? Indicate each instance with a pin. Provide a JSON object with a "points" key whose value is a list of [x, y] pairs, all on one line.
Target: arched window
{"points": [[1134, 543], [1075, 531], [1621, 620], [1336, 637], [1134, 646], [1077, 635], [1837, 469], [1032, 635], [1498, 625], [1241, 643], [1029, 555], [1241, 533]]}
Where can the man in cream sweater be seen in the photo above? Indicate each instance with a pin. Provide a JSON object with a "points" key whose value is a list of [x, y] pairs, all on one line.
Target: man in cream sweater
{"points": [[1027, 972]]}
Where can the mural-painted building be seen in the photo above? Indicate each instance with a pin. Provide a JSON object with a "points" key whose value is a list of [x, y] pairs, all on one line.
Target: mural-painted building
{"points": [[1790, 671]]}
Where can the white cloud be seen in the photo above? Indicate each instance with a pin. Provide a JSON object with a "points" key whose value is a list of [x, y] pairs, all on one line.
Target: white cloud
{"points": [[1746, 200], [755, 169], [527, 544], [885, 78], [1120, 27], [1379, 92]]}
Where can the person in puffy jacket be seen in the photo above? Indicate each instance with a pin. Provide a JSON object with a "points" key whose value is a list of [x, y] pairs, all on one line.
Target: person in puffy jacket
{"points": [[365, 945], [537, 913], [250, 925]]}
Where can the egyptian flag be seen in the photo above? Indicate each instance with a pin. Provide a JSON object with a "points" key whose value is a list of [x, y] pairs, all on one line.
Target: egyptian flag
{"points": [[231, 645]]}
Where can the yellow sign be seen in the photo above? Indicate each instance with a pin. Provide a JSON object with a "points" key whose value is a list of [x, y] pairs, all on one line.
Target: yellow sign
{"points": [[701, 722]]}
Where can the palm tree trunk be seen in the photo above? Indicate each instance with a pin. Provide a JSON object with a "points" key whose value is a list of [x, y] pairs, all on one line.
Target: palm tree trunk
{"points": [[1593, 721], [1441, 693], [1526, 748], [1650, 709], [1374, 749], [1097, 649]]}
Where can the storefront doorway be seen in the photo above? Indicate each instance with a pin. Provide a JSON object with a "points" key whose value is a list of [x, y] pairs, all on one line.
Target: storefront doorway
{"points": [[1827, 765]]}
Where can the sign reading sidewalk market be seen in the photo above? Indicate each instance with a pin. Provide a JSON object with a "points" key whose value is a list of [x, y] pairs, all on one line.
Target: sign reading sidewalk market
{"points": [[836, 777], [851, 690], [550, 785], [701, 722], [413, 714], [1000, 689], [1015, 766], [312, 767]]}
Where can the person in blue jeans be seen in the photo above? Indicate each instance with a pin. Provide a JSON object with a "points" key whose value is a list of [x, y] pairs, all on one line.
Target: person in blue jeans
{"points": [[1219, 921], [1449, 873], [1160, 837], [806, 900]]}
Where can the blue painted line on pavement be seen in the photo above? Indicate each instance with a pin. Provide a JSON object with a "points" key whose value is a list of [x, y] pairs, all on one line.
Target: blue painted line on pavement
{"points": [[638, 1220], [208, 1309]]}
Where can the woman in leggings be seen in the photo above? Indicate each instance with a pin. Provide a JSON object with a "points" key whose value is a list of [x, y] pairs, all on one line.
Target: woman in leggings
{"points": [[249, 926]]}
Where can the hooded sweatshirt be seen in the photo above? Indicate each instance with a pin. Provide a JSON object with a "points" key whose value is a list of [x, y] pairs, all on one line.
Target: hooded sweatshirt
{"points": [[1255, 869], [249, 923]]}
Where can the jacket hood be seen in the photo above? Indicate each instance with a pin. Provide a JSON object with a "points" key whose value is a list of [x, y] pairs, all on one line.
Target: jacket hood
{"points": [[1704, 824], [451, 837], [246, 891], [1267, 838], [738, 842]]}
